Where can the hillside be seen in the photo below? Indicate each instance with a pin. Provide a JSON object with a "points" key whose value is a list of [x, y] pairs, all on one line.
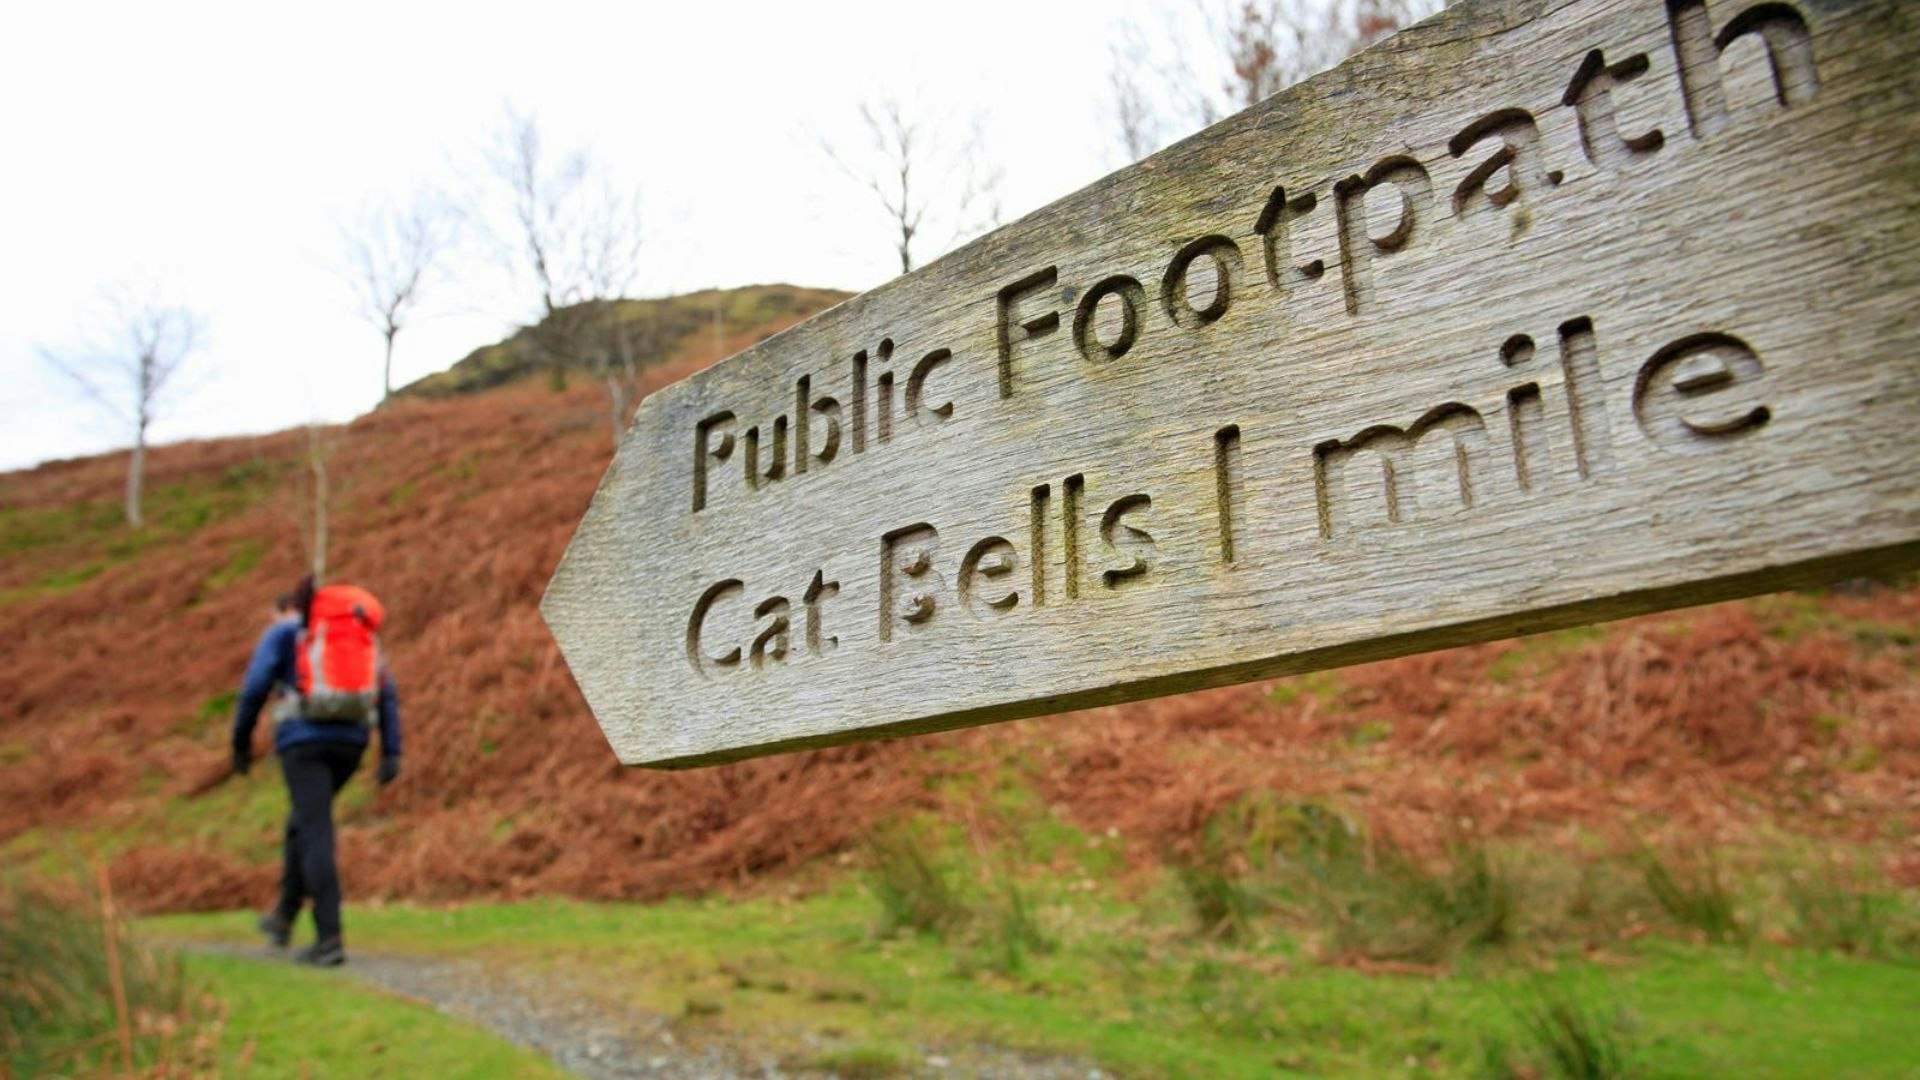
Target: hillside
{"points": [[1793, 714], [660, 328]]}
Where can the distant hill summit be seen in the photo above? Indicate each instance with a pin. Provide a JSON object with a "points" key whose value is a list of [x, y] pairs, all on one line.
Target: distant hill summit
{"points": [[665, 326]]}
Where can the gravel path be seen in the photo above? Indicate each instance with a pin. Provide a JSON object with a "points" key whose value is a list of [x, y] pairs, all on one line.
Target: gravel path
{"points": [[552, 1015], [556, 1019]]}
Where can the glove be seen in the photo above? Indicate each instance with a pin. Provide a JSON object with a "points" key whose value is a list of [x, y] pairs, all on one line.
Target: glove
{"points": [[242, 760], [389, 768]]}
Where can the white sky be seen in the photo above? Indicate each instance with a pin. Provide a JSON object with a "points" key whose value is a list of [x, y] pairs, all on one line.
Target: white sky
{"points": [[213, 148]]}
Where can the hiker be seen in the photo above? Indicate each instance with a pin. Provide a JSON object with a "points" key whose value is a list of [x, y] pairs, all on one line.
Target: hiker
{"points": [[326, 652]]}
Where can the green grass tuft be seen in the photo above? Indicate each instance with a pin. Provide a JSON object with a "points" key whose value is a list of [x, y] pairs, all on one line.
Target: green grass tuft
{"points": [[1374, 899], [1528, 652], [916, 892], [68, 966], [866, 1061], [1013, 934], [246, 556], [1222, 899], [1694, 891], [1567, 1038], [1838, 906], [1366, 897], [55, 583]]}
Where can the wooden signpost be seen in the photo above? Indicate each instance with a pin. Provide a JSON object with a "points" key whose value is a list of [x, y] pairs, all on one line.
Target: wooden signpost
{"points": [[1538, 314]]}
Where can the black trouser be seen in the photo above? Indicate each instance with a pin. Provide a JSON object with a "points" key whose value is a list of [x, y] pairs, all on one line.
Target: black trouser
{"points": [[315, 772]]}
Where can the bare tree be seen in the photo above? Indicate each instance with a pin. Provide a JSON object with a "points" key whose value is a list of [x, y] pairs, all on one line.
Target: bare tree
{"points": [[127, 364], [573, 235], [391, 252], [1252, 50], [609, 257], [537, 227], [926, 175]]}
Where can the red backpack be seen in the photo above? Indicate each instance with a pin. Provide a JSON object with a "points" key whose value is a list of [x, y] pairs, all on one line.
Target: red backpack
{"points": [[337, 658]]}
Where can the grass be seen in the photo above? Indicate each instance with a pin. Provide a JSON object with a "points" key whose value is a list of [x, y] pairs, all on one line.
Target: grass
{"points": [[1381, 903], [53, 584], [243, 817], [25, 528], [246, 555], [293, 1022], [1693, 888], [912, 879], [1294, 688], [213, 717], [1353, 957], [1839, 906], [76, 987], [1791, 616], [1127, 985], [1012, 934], [915, 891], [1362, 896], [93, 537], [79, 993], [1223, 875], [1564, 1033], [1528, 653], [866, 1061], [1221, 899]]}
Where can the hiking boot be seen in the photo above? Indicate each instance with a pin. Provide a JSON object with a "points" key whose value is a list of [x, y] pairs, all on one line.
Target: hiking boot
{"points": [[278, 928], [327, 952]]}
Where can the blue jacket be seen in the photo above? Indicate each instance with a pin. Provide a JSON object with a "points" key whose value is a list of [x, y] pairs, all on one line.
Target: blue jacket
{"points": [[273, 665]]}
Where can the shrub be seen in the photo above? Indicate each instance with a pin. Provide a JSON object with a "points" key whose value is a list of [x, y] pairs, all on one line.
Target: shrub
{"points": [[1371, 897], [1427, 913], [1014, 933], [1836, 906], [1219, 894], [1594, 899], [79, 995], [1565, 1037], [1693, 890], [1379, 901], [920, 891], [1221, 875], [914, 890], [1472, 901]]}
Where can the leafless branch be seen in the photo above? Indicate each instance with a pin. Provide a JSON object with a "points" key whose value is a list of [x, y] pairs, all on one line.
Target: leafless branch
{"points": [[923, 174], [1137, 122], [573, 235], [1252, 49], [391, 252]]}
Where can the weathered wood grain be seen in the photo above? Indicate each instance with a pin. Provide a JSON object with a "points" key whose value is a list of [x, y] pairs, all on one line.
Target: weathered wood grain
{"points": [[1538, 314]]}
